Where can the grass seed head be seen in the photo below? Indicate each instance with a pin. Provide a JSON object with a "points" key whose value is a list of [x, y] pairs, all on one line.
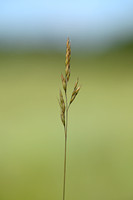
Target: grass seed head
{"points": [[62, 106], [75, 91], [68, 57], [65, 79]]}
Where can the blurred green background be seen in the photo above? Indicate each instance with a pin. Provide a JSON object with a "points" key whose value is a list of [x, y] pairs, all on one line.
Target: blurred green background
{"points": [[100, 131]]}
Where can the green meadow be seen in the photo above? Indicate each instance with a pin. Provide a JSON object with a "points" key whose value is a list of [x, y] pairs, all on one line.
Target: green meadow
{"points": [[100, 130]]}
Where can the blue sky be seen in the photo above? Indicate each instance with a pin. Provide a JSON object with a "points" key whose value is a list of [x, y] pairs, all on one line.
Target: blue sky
{"points": [[82, 20]]}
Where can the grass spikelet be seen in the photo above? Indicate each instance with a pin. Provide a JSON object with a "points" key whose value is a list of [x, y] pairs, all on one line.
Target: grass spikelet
{"points": [[75, 91], [76, 84], [63, 82], [68, 57], [62, 106]]}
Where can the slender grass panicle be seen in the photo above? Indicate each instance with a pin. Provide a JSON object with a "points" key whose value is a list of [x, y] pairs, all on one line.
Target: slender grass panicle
{"points": [[64, 104]]}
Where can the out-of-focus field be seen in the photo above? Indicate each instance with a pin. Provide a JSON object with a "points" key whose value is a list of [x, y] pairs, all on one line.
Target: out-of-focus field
{"points": [[100, 132]]}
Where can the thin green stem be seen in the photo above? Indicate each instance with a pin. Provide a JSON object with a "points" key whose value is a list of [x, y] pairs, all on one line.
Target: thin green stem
{"points": [[64, 168], [65, 156]]}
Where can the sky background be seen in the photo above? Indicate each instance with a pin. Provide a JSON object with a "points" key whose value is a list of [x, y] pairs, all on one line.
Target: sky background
{"points": [[86, 22]]}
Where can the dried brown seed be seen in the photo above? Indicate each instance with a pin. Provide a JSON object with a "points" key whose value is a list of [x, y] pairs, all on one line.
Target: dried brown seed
{"points": [[66, 70], [62, 107], [63, 82], [76, 84], [61, 97], [61, 102], [77, 90], [68, 75], [63, 118], [74, 94], [72, 98]]}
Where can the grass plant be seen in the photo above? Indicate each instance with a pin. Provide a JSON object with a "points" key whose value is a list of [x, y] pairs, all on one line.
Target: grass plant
{"points": [[65, 105]]}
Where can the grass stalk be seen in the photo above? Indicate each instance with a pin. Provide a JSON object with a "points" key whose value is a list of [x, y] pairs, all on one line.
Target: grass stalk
{"points": [[65, 106], [65, 153]]}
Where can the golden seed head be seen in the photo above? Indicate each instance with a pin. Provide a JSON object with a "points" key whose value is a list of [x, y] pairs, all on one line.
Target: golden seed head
{"points": [[68, 41], [62, 106], [65, 79], [68, 57], [75, 91]]}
